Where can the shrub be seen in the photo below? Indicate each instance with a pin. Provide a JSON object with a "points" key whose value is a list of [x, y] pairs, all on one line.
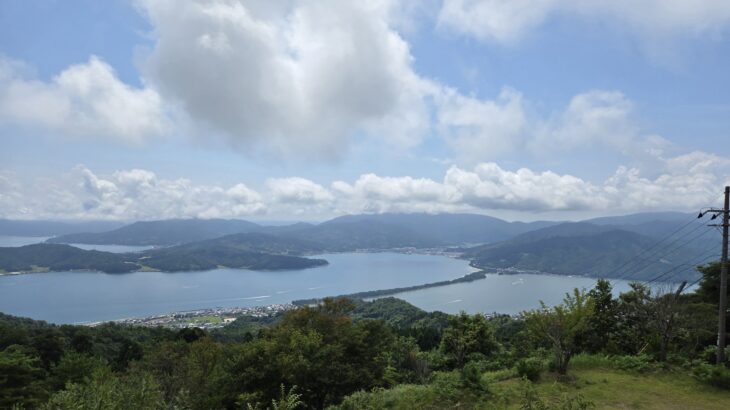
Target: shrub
{"points": [[530, 368], [592, 361], [471, 377], [718, 376], [640, 363]]}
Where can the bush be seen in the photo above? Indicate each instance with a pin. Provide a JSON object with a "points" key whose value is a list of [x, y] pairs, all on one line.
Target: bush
{"points": [[530, 368], [709, 354], [592, 361], [718, 376], [641, 363], [471, 377]]}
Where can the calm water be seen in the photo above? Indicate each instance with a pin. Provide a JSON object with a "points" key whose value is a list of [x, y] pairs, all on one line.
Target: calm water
{"points": [[73, 297], [502, 293], [112, 248]]}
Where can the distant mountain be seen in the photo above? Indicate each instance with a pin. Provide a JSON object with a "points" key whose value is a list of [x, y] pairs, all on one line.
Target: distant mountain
{"points": [[54, 257], [343, 236], [242, 251], [162, 233], [383, 231], [585, 249], [53, 228], [260, 242], [642, 218], [565, 229], [452, 229]]}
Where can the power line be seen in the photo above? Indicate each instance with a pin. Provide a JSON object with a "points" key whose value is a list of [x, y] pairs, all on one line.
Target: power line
{"points": [[655, 245], [650, 259], [703, 259]]}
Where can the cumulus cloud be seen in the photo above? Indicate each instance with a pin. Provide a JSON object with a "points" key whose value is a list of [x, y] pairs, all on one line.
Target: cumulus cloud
{"points": [[595, 118], [479, 129], [130, 194], [685, 182], [298, 191], [298, 77], [507, 21], [84, 100], [304, 79]]}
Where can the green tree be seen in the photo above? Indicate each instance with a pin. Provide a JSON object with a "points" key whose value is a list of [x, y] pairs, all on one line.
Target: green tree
{"points": [[73, 368], [105, 390], [708, 290], [288, 400], [318, 349], [602, 324], [20, 378], [466, 335], [634, 313], [563, 326]]}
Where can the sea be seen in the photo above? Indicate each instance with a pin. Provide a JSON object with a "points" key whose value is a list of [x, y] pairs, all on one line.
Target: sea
{"points": [[85, 297]]}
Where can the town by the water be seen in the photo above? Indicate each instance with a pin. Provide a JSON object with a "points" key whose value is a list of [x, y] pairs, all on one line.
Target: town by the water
{"points": [[203, 318]]}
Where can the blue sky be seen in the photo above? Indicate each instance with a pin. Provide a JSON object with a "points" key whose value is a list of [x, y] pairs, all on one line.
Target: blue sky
{"points": [[300, 110]]}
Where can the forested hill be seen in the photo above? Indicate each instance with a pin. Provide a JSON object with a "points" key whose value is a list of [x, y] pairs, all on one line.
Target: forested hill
{"points": [[599, 252], [365, 234], [52, 228], [253, 251], [162, 233], [56, 257], [453, 229], [258, 252]]}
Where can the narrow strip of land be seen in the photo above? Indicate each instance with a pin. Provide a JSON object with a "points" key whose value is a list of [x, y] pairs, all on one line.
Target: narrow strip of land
{"points": [[387, 292]]}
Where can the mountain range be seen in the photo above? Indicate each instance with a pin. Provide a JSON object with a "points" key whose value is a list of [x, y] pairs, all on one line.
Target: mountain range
{"points": [[595, 247]]}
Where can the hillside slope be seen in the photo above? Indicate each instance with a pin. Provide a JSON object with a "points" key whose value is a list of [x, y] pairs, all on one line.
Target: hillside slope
{"points": [[162, 233], [586, 251]]}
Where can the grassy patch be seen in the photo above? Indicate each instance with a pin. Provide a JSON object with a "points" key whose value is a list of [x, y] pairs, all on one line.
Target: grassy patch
{"points": [[616, 389], [604, 386], [206, 319]]}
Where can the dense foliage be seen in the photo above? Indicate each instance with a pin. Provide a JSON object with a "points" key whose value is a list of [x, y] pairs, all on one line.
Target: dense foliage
{"points": [[354, 354]]}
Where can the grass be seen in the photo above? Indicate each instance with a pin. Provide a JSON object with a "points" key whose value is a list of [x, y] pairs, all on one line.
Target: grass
{"points": [[616, 389], [206, 319], [593, 379]]}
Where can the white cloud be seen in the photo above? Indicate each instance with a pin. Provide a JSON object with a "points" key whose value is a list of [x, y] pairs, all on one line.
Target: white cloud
{"points": [[494, 20], [303, 79], [598, 118], [83, 100], [298, 77], [135, 194], [685, 182], [482, 129], [479, 130], [507, 21], [298, 191]]}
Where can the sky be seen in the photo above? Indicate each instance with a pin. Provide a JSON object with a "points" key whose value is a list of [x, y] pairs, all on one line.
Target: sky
{"points": [[305, 110]]}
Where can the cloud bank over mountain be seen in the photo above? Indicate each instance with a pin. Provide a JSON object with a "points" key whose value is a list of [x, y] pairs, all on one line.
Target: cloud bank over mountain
{"points": [[687, 182]]}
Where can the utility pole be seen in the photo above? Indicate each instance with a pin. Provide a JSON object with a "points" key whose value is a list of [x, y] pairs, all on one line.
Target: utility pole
{"points": [[722, 311], [722, 321]]}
